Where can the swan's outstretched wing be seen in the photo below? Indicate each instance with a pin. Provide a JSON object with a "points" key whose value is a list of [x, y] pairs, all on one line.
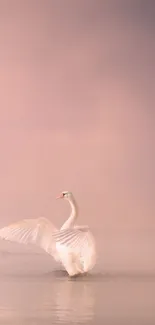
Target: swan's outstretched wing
{"points": [[80, 242], [69, 238], [31, 231]]}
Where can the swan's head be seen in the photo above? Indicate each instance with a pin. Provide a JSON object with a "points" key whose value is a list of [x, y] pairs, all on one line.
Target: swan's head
{"points": [[65, 195]]}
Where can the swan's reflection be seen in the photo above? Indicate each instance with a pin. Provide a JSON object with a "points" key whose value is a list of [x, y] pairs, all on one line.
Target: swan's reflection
{"points": [[74, 301], [49, 298]]}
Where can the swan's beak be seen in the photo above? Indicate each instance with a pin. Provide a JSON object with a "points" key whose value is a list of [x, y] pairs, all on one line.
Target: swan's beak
{"points": [[60, 196]]}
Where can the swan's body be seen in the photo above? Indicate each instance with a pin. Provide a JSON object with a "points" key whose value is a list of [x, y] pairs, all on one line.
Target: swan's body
{"points": [[72, 245]]}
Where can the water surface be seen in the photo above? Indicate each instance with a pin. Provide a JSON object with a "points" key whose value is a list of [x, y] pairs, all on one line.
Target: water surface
{"points": [[98, 298]]}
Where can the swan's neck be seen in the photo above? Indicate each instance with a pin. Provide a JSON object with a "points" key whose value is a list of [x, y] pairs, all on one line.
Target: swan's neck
{"points": [[71, 220]]}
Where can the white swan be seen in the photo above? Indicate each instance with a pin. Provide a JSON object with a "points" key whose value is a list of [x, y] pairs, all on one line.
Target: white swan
{"points": [[72, 245]]}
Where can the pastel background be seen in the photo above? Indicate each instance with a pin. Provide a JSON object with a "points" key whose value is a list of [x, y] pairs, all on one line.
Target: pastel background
{"points": [[77, 113]]}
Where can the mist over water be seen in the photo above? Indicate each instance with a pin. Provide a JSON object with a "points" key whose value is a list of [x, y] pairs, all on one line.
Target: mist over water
{"points": [[52, 297], [77, 113], [36, 290]]}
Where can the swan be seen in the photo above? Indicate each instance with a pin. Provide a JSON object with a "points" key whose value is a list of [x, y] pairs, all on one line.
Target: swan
{"points": [[71, 245]]}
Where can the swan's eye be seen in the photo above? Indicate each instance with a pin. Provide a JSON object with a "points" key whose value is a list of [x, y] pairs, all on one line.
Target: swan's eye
{"points": [[63, 194]]}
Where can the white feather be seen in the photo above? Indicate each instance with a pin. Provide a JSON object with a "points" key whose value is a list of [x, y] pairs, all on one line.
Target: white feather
{"points": [[72, 245]]}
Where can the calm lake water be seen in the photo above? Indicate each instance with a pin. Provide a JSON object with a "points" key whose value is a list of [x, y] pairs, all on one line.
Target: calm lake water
{"points": [[98, 298], [36, 291]]}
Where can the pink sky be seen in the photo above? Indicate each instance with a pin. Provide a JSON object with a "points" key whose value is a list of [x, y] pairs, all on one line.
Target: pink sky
{"points": [[77, 111]]}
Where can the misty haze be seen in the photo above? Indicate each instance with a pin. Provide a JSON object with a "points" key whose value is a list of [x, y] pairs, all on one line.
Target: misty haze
{"points": [[77, 114]]}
